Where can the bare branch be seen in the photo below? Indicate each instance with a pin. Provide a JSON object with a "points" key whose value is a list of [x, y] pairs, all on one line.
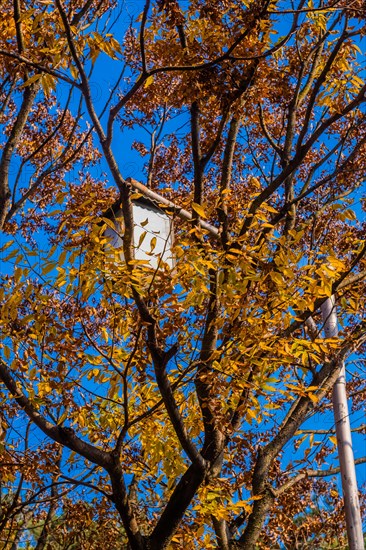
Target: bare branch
{"points": [[64, 436], [15, 134], [312, 473], [142, 39]]}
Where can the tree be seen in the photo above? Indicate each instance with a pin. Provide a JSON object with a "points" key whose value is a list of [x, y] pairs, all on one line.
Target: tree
{"points": [[178, 396]]}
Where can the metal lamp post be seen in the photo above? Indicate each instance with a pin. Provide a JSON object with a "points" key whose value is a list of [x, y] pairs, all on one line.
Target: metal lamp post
{"points": [[344, 438]]}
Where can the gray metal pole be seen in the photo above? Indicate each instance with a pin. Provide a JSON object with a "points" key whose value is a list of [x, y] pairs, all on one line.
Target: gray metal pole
{"points": [[344, 438]]}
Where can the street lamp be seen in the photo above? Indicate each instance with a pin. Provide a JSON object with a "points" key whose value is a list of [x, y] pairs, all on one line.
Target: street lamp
{"points": [[152, 235]]}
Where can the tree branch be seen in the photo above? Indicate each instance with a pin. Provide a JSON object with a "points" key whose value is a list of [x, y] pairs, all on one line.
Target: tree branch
{"points": [[312, 473], [142, 39], [64, 436], [29, 96]]}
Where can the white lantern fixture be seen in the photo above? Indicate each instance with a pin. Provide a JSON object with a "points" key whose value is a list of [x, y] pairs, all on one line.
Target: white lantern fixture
{"points": [[152, 234]]}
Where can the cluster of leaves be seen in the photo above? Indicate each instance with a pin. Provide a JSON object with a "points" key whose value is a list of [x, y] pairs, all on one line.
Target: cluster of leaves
{"points": [[175, 407]]}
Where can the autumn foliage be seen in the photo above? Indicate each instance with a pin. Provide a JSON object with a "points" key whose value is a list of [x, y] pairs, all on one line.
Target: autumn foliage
{"points": [[187, 407]]}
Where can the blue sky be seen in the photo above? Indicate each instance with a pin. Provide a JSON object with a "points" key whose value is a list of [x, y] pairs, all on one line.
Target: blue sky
{"points": [[131, 165]]}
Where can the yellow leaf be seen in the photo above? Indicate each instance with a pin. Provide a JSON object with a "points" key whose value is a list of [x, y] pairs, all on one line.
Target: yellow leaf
{"points": [[198, 208], [62, 418], [141, 239], [251, 413], [149, 81], [74, 72], [48, 268], [6, 352], [268, 387], [48, 84], [276, 277], [333, 439], [30, 80], [6, 245], [255, 182], [269, 208], [313, 397], [152, 244]]}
